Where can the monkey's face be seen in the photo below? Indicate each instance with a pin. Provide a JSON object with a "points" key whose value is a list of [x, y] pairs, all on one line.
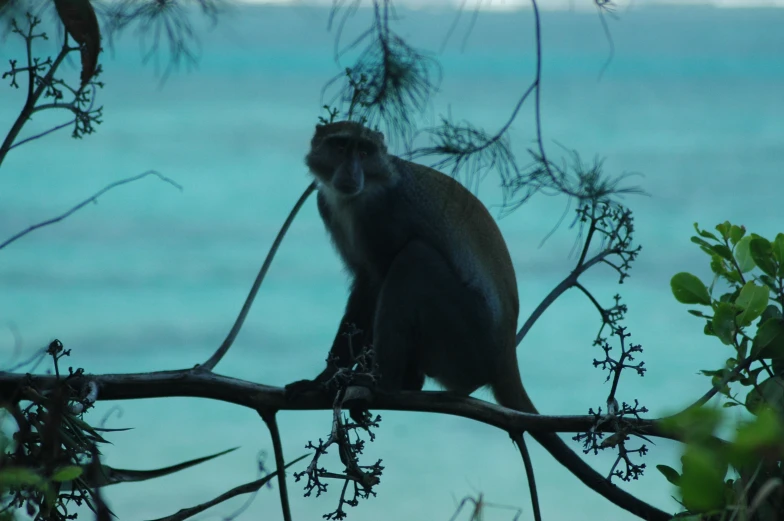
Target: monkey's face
{"points": [[349, 164]]}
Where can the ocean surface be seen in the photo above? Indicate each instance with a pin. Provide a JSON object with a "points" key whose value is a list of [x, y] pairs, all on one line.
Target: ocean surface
{"points": [[151, 278]]}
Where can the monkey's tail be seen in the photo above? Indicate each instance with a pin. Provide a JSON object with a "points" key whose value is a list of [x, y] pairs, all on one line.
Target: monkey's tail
{"points": [[513, 396]]}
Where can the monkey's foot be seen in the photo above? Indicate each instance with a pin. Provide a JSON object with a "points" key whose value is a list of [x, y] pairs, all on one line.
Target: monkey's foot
{"points": [[357, 399]]}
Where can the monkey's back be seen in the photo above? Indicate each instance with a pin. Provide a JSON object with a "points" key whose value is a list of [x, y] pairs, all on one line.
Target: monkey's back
{"points": [[469, 238]]}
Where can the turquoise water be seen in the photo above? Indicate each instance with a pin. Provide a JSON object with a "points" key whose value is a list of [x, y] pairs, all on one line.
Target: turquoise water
{"points": [[151, 278]]}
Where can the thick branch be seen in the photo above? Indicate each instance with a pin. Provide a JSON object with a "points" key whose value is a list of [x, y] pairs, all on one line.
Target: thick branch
{"points": [[202, 384]]}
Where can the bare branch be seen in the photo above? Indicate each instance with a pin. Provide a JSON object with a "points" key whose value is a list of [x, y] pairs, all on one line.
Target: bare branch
{"points": [[40, 134], [247, 488], [210, 364], [518, 440], [32, 98], [272, 425], [203, 384], [719, 385], [92, 199]]}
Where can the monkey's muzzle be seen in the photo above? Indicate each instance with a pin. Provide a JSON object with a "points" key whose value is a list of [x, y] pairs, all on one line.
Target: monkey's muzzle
{"points": [[349, 178]]}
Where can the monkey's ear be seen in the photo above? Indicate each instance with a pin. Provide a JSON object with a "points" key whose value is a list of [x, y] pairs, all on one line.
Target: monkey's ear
{"points": [[379, 138], [318, 135]]}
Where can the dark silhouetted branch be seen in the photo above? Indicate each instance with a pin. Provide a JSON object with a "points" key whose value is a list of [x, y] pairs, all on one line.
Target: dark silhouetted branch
{"points": [[210, 364], [280, 465], [92, 199], [247, 488], [518, 440], [203, 384]]}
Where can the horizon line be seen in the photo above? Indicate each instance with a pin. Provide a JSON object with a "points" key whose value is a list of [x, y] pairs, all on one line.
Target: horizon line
{"points": [[543, 5]]}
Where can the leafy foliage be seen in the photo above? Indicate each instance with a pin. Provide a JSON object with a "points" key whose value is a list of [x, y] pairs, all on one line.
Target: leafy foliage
{"points": [[744, 304]]}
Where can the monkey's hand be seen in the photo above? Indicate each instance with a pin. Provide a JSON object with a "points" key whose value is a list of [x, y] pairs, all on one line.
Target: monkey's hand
{"points": [[300, 387]]}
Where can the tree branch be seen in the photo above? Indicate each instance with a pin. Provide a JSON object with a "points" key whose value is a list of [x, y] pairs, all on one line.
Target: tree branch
{"points": [[210, 364], [32, 98], [92, 199], [567, 283], [247, 488], [280, 465], [203, 384], [518, 440]]}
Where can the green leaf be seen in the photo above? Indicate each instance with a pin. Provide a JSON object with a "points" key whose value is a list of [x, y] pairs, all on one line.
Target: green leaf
{"points": [[724, 229], [778, 366], [764, 435], [705, 233], [752, 378], [717, 265], [764, 431], [743, 348], [769, 340], [770, 312], [723, 323], [778, 252], [670, 474], [697, 313], [708, 329], [743, 255], [770, 392], [67, 473], [767, 280], [752, 300], [737, 233], [705, 244], [693, 424], [19, 477], [702, 481], [688, 289], [762, 253], [722, 251], [713, 249]]}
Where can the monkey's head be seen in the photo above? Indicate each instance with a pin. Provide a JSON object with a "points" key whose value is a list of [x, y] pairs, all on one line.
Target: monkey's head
{"points": [[349, 157]]}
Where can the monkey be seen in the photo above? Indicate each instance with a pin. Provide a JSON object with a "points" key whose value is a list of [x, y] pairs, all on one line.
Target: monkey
{"points": [[433, 287]]}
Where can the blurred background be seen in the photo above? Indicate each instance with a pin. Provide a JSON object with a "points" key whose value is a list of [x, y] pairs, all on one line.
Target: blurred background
{"points": [[151, 278]]}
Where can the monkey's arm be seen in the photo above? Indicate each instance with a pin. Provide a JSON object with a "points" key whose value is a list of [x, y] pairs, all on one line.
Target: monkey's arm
{"points": [[354, 333]]}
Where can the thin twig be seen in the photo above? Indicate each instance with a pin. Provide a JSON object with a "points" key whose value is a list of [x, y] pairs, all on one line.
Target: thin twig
{"points": [[41, 134], [529, 472], [247, 488], [210, 364], [610, 41], [92, 199], [567, 283], [718, 386], [272, 425], [33, 96]]}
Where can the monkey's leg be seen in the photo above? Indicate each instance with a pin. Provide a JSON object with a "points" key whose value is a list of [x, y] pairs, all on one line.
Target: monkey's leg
{"points": [[354, 333], [429, 322]]}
